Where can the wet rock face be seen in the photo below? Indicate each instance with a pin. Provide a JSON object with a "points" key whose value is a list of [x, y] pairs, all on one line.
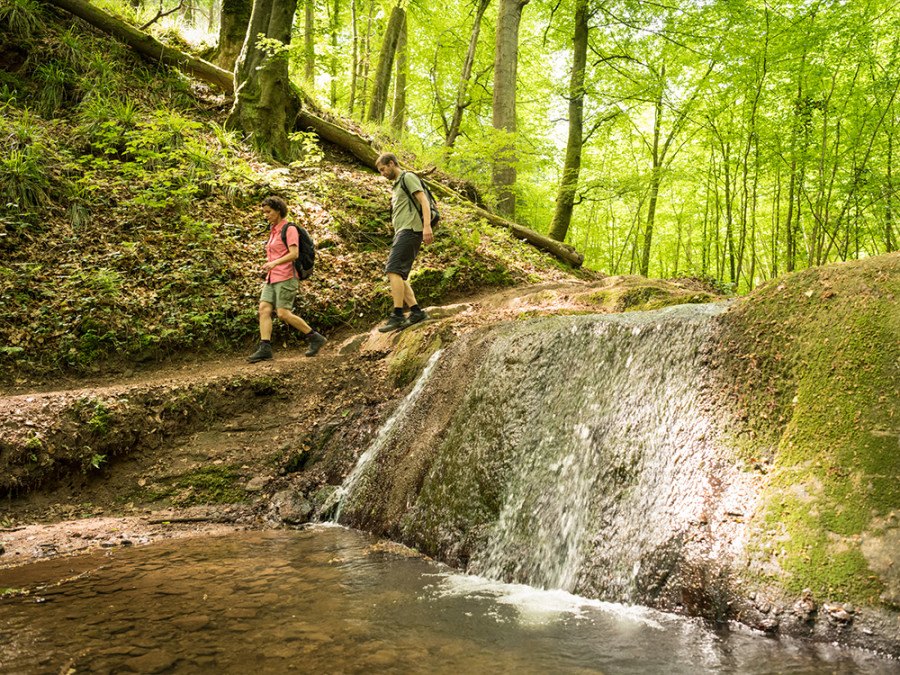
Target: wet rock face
{"points": [[579, 456]]}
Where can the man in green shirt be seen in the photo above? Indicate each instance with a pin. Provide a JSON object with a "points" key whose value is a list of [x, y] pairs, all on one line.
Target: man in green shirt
{"points": [[412, 227]]}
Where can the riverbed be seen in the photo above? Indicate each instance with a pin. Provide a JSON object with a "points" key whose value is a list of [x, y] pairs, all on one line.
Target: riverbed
{"points": [[333, 600]]}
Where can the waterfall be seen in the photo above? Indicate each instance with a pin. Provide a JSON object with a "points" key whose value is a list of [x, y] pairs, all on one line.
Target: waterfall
{"points": [[579, 456], [345, 492]]}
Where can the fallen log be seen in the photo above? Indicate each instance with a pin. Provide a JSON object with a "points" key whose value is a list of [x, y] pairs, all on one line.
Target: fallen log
{"points": [[364, 152], [147, 45], [333, 133], [562, 251]]}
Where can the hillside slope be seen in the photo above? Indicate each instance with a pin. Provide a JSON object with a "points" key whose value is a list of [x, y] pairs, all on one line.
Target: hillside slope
{"points": [[130, 233]]}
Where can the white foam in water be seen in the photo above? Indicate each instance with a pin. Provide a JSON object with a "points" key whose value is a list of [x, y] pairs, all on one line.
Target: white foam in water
{"points": [[537, 607]]}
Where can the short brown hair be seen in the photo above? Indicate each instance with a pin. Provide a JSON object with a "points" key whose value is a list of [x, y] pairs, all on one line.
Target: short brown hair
{"points": [[276, 204], [386, 158]]}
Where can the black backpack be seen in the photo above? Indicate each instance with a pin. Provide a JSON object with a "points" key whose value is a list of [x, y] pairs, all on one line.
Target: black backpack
{"points": [[435, 216], [303, 263]]}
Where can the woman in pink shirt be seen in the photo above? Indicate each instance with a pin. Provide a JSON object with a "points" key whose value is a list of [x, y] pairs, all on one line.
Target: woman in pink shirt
{"points": [[280, 287]]}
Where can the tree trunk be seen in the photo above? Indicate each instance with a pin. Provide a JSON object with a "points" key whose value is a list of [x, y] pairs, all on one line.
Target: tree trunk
{"points": [[333, 66], [565, 200], [147, 46], [354, 143], [233, 30], [382, 82], [366, 60], [506, 58], [889, 239], [266, 105], [462, 91], [398, 112], [354, 62], [309, 41], [655, 180]]}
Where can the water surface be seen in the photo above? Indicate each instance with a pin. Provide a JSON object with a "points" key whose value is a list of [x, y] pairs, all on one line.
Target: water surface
{"points": [[332, 600]]}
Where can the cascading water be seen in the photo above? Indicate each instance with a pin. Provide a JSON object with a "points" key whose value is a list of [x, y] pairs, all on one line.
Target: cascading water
{"points": [[579, 456], [345, 492]]}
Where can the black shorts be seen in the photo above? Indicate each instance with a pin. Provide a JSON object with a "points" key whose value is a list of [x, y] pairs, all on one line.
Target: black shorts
{"points": [[404, 249]]}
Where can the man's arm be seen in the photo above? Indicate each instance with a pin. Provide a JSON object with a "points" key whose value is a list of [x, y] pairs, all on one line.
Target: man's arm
{"points": [[427, 234]]}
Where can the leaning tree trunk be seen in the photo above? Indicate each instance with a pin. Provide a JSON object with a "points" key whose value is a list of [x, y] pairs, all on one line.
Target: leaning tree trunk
{"points": [[385, 64], [565, 200], [506, 58], [398, 112], [265, 104], [235, 17], [146, 45], [462, 99]]}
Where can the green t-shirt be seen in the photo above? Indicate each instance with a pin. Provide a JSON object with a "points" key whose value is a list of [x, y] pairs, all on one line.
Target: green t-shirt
{"points": [[404, 214]]}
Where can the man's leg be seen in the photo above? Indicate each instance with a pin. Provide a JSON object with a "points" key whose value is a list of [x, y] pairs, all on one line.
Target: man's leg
{"points": [[408, 295], [399, 290]]}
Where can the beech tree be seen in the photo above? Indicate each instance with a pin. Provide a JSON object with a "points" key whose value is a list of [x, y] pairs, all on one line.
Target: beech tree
{"points": [[233, 21], [398, 111], [266, 104], [382, 81], [462, 98], [565, 199], [506, 62]]}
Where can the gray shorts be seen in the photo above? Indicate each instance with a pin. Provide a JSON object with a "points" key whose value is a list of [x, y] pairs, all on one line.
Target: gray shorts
{"points": [[404, 249], [281, 294]]}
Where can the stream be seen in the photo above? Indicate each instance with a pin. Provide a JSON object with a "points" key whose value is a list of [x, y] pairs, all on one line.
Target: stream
{"points": [[333, 600]]}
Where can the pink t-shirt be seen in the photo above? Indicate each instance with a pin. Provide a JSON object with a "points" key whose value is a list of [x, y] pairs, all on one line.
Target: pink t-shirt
{"points": [[276, 249]]}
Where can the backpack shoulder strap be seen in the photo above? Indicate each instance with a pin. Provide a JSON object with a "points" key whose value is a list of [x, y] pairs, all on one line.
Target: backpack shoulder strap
{"points": [[415, 202], [284, 233]]}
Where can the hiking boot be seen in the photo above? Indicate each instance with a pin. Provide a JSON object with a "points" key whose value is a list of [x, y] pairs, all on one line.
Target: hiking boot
{"points": [[416, 317], [262, 353], [316, 342], [394, 322]]}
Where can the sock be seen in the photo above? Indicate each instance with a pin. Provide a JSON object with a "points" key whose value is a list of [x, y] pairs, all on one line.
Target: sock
{"points": [[310, 334], [416, 308], [265, 342], [398, 311]]}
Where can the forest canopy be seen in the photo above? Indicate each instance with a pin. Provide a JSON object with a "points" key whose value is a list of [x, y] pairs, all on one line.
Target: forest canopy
{"points": [[733, 140]]}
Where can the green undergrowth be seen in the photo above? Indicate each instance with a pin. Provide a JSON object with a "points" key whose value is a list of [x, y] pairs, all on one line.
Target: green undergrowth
{"points": [[129, 224], [811, 365]]}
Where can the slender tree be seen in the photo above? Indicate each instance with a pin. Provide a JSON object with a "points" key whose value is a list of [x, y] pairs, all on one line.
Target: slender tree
{"points": [[506, 60], [462, 99], [333, 61], [309, 41], [398, 111], [565, 200], [382, 82]]}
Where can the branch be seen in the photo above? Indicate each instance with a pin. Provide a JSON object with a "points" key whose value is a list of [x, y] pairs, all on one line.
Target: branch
{"points": [[160, 14]]}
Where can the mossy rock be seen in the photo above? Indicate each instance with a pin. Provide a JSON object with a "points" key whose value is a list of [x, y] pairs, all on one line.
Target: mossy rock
{"points": [[811, 364]]}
